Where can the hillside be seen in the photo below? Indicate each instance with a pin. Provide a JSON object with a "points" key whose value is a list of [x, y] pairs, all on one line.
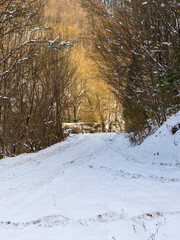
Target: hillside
{"points": [[94, 187]]}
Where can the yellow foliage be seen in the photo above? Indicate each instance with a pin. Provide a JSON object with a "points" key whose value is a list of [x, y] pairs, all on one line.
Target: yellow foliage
{"points": [[91, 98]]}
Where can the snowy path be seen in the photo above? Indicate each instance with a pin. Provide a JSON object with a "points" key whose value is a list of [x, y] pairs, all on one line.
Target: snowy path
{"points": [[89, 187]]}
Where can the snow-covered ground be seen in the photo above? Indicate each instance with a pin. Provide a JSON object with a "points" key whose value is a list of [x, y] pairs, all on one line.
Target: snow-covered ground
{"points": [[94, 187]]}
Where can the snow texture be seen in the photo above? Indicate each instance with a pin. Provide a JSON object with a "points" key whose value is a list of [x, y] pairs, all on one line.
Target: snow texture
{"points": [[94, 187]]}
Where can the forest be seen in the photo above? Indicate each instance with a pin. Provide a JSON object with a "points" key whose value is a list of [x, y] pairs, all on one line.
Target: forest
{"points": [[89, 119], [91, 61]]}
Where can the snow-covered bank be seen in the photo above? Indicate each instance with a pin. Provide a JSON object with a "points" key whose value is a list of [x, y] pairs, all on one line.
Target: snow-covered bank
{"points": [[94, 187], [163, 146]]}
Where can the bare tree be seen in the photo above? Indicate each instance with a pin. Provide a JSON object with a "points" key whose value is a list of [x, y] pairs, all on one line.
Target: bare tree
{"points": [[136, 48]]}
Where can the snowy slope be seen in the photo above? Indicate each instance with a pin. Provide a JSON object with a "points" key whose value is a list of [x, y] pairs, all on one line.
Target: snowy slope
{"points": [[94, 187], [163, 144]]}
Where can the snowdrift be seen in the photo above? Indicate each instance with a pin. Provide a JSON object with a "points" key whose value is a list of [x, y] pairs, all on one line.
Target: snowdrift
{"points": [[164, 145]]}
